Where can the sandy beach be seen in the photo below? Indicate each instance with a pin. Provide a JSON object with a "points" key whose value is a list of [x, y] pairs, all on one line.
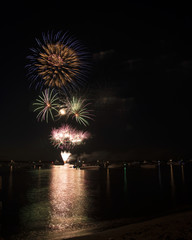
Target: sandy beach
{"points": [[176, 226]]}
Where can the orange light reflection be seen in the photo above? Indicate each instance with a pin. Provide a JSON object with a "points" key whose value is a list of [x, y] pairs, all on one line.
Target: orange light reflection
{"points": [[67, 198]]}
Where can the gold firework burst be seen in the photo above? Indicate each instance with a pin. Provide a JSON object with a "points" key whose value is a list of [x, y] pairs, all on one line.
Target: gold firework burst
{"points": [[58, 64]]}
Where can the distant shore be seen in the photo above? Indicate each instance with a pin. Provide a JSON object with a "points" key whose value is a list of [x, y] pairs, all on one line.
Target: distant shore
{"points": [[177, 226]]}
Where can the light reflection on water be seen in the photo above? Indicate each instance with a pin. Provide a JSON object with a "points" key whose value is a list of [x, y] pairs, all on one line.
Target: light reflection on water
{"points": [[10, 181], [172, 180], [59, 204], [67, 198], [36, 210], [108, 183], [159, 175], [62, 199], [125, 179], [183, 175]]}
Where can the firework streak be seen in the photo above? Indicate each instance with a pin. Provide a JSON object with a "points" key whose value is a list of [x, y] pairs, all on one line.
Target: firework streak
{"points": [[76, 108], [45, 104]]}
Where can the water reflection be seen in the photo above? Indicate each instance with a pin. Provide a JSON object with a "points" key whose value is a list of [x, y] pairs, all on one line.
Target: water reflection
{"points": [[36, 213], [172, 180], [125, 180], [67, 198], [0, 182], [10, 181], [108, 182], [182, 174], [0, 199], [55, 201], [159, 175]]}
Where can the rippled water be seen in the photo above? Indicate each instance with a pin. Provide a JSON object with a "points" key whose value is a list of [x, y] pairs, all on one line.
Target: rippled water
{"points": [[60, 201]]}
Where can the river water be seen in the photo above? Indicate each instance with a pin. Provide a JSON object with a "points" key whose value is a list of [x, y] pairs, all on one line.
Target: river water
{"points": [[61, 202]]}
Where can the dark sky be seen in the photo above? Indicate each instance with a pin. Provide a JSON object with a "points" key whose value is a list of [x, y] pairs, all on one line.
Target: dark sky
{"points": [[140, 82]]}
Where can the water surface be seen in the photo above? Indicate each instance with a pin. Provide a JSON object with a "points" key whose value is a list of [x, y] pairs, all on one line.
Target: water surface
{"points": [[61, 202]]}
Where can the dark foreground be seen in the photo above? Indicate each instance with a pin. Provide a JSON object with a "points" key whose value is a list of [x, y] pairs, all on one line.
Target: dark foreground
{"points": [[172, 227]]}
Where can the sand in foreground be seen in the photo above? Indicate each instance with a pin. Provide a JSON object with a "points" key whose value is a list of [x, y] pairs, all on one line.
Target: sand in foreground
{"points": [[173, 227]]}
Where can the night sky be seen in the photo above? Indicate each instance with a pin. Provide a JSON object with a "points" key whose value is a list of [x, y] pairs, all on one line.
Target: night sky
{"points": [[140, 83]]}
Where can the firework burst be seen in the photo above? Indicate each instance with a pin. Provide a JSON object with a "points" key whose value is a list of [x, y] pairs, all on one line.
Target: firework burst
{"points": [[67, 137], [45, 104], [77, 108], [59, 61]]}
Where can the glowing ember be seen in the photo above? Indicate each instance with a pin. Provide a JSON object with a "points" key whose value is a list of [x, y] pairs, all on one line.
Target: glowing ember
{"points": [[62, 111]]}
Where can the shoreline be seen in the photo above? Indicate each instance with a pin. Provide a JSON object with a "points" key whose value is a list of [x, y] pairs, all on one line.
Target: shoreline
{"points": [[169, 227]]}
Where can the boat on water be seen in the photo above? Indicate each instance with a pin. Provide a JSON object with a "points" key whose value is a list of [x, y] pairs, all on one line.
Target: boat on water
{"points": [[58, 162], [90, 167], [115, 165], [148, 165]]}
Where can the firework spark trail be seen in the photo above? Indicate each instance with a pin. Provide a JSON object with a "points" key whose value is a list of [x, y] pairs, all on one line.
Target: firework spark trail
{"points": [[45, 104], [59, 61], [77, 108], [67, 137]]}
